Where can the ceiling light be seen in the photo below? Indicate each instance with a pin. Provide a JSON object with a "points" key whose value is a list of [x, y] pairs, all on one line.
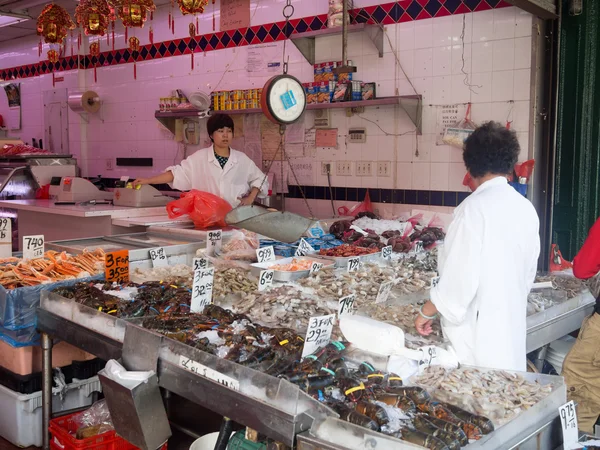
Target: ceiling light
{"points": [[12, 19]]}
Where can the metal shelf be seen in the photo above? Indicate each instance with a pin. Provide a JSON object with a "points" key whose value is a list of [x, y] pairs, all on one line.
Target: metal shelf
{"points": [[305, 42], [412, 104]]}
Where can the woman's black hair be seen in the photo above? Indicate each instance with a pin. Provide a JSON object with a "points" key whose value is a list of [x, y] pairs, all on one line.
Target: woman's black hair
{"points": [[491, 149], [218, 121]]}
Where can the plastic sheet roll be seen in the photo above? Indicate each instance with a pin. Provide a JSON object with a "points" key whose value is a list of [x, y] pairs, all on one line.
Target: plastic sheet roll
{"points": [[84, 102]]}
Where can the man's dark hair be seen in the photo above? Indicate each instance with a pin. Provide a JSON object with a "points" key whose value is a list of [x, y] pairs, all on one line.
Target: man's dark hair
{"points": [[217, 122], [491, 149]]}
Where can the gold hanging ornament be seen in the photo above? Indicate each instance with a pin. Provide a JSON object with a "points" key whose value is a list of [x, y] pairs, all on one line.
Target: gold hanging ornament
{"points": [[192, 7], [93, 16], [134, 46], [53, 24], [94, 54]]}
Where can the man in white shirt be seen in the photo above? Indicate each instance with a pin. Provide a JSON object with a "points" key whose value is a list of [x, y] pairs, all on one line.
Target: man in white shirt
{"points": [[488, 262]]}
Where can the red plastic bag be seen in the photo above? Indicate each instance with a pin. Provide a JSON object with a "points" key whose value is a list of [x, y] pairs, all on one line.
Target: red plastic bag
{"points": [[43, 193], [524, 170], [206, 210], [557, 262], [364, 206]]}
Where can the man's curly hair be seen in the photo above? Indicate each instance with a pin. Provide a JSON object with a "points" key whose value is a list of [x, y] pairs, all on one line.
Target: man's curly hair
{"points": [[491, 149]]}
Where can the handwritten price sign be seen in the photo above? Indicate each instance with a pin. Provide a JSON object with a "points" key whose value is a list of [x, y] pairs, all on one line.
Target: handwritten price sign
{"points": [[5, 238], [265, 254], [33, 246], [353, 264], [200, 263], [202, 289], [384, 292], [265, 280], [116, 266], [568, 421], [318, 333], [159, 257], [214, 242], [315, 267], [346, 305], [304, 248]]}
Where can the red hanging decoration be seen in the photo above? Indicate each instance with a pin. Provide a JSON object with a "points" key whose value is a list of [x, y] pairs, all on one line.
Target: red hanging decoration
{"points": [[71, 33], [40, 49], [79, 41], [169, 20], [95, 53], [151, 36], [151, 15], [197, 25], [213, 2], [54, 24], [113, 35], [173, 26], [134, 46], [94, 16]]}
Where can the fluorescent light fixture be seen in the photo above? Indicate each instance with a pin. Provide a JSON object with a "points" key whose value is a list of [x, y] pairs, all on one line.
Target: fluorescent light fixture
{"points": [[7, 19]]}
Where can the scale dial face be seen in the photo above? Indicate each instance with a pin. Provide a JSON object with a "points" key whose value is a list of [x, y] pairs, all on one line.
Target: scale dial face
{"points": [[283, 99]]}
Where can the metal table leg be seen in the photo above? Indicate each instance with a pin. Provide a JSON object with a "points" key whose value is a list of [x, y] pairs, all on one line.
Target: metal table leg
{"points": [[46, 388]]}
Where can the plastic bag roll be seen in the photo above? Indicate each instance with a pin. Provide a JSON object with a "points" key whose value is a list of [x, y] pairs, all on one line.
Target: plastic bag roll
{"points": [[84, 102]]}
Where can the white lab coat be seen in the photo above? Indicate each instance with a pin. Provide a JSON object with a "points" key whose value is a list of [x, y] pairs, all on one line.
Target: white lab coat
{"points": [[487, 268], [203, 172]]}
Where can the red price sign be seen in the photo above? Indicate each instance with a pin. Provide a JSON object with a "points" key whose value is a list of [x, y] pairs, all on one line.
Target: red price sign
{"points": [[116, 266]]}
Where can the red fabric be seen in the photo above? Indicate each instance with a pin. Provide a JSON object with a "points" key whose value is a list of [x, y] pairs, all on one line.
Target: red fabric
{"points": [[587, 262]]}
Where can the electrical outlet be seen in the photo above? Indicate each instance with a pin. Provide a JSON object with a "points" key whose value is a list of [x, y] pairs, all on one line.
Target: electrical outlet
{"points": [[383, 169], [109, 164], [357, 135], [363, 169], [343, 168], [325, 168]]}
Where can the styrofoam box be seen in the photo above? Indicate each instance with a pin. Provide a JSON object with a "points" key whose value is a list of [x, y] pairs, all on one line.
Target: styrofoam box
{"points": [[21, 421]]}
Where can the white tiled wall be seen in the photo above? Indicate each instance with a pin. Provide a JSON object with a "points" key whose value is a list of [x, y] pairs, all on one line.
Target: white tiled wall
{"points": [[497, 64]]}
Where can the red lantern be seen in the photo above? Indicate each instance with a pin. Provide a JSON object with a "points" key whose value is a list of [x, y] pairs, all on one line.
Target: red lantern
{"points": [[94, 16], [54, 24]]}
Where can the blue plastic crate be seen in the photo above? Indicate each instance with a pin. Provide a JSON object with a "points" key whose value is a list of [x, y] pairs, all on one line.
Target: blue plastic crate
{"points": [[18, 306]]}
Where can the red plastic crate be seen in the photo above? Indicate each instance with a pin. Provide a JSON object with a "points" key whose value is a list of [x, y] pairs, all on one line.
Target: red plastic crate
{"points": [[62, 439]]}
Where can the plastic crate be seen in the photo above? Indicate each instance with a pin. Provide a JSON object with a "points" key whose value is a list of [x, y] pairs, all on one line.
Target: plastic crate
{"points": [[25, 360], [63, 429], [23, 337], [21, 421]]}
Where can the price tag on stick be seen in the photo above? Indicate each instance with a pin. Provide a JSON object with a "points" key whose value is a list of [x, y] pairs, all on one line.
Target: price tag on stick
{"points": [[200, 263], [33, 246], [386, 252], [315, 267], [5, 238], [304, 248], [159, 258], [265, 280], [346, 305], [568, 422], [434, 282], [429, 356], [202, 289], [419, 247], [318, 333], [116, 266], [353, 264], [214, 242], [265, 254], [384, 291]]}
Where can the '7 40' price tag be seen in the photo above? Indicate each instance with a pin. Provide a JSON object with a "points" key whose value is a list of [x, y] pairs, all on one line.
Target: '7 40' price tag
{"points": [[265, 254], [202, 289], [159, 257], [265, 280], [214, 242], [33, 246], [353, 264], [318, 333], [346, 305], [568, 421]]}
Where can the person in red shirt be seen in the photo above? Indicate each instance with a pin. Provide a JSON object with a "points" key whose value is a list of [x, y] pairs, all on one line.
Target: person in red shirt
{"points": [[581, 368]]}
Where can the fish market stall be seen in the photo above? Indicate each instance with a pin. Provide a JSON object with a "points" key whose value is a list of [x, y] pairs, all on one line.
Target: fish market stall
{"points": [[255, 369]]}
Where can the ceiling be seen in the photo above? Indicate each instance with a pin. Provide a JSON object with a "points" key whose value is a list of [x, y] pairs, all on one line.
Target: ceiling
{"points": [[31, 8]]}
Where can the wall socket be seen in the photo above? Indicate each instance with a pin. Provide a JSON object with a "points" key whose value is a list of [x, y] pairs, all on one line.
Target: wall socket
{"points": [[326, 168], [343, 168], [109, 164], [384, 169], [363, 169]]}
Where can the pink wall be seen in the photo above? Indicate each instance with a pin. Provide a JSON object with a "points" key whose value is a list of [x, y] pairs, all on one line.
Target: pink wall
{"points": [[497, 52]]}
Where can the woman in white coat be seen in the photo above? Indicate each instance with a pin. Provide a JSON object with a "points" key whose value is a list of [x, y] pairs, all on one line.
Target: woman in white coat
{"points": [[217, 169], [489, 259]]}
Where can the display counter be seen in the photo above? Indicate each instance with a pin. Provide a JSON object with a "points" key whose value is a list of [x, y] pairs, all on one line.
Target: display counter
{"points": [[60, 222]]}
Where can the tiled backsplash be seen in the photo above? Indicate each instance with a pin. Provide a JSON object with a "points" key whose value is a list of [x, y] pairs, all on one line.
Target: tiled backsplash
{"points": [[491, 70]]}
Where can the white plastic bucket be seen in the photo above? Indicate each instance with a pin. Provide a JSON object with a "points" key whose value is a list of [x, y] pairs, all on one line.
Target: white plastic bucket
{"points": [[206, 442]]}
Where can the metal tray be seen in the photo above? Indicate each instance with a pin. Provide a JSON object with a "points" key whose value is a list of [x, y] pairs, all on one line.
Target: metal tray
{"points": [[281, 275], [343, 262]]}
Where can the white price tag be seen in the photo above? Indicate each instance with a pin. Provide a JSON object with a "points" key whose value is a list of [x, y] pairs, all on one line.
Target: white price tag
{"points": [[265, 280], [265, 254], [384, 291], [419, 247], [315, 267], [202, 289], [346, 305], [214, 242], [33, 246], [386, 252], [568, 421], [304, 248], [200, 263], [318, 333], [434, 282], [359, 230], [428, 357], [159, 257], [207, 372], [353, 264], [5, 238]]}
